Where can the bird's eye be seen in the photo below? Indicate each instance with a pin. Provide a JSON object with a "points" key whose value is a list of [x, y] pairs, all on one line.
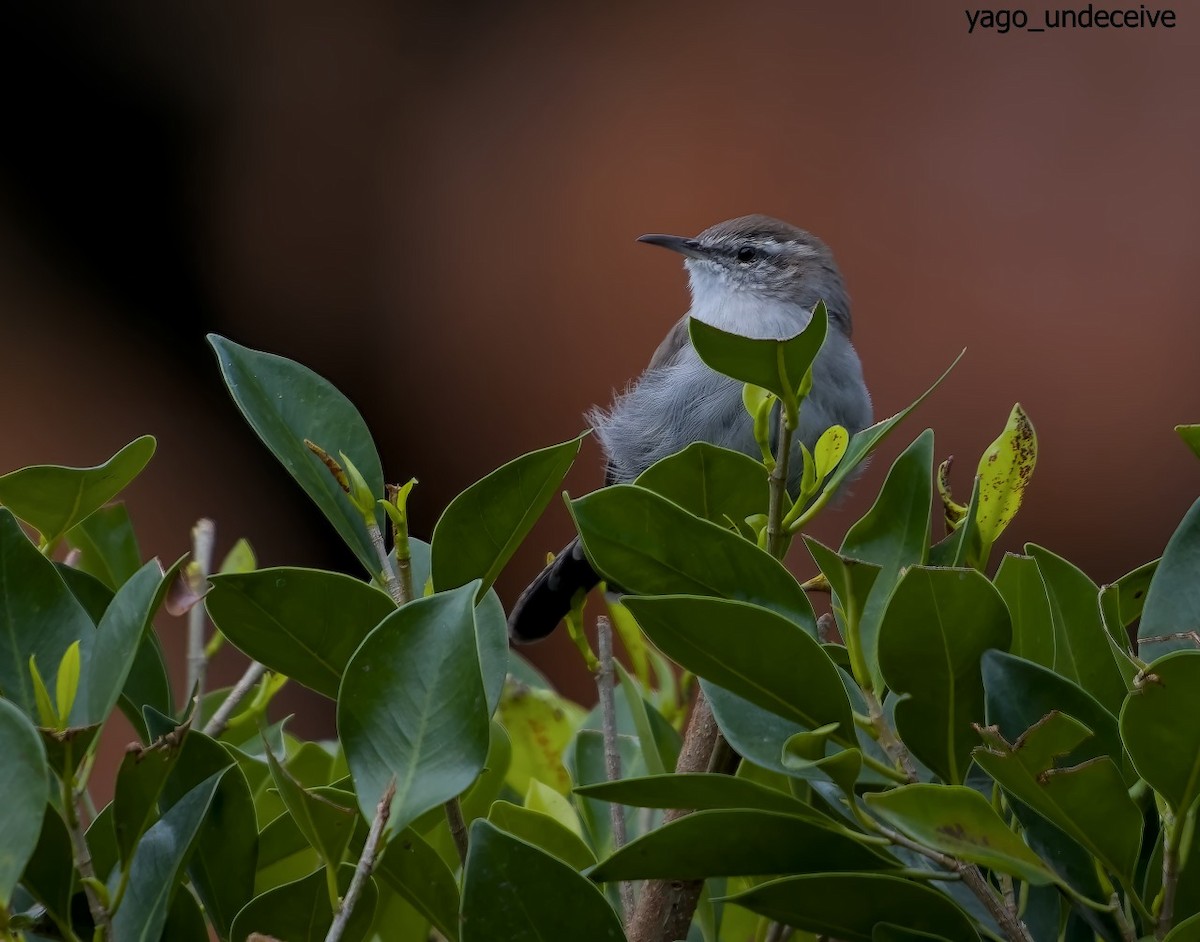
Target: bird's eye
{"points": [[746, 254]]}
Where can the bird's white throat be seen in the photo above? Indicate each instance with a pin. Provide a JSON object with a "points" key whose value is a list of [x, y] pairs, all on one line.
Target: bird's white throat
{"points": [[742, 310]]}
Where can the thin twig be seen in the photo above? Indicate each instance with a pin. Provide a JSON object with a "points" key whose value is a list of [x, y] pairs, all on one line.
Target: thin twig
{"points": [[605, 680], [216, 725], [83, 856], [778, 932], [895, 749], [1170, 878], [458, 827], [204, 535], [366, 864], [776, 531]]}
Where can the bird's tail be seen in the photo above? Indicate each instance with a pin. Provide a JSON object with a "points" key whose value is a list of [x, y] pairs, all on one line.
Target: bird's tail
{"points": [[547, 600]]}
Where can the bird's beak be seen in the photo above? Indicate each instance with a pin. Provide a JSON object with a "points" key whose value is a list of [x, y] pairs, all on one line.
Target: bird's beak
{"points": [[689, 248]]}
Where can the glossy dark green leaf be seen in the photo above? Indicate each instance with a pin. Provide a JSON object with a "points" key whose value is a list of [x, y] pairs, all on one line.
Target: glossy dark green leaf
{"points": [[1090, 801], [893, 534], [157, 868], [568, 905], [25, 785], [863, 443], [108, 547], [108, 653], [959, 821], [1129, 666], [1081, 651], [52, 499], [586, 760], [699, 791], [963, 547], [225, 856], [738, 842], [483, 526], [285, 618], [412, 707], [491, 639], [937, 625], [301, 912], [39, 616], [412, 868], [140, 781], [50, 873], [487, 787], [1159, 729], [328, 825], [1020, 584], [752, 652], [1132, 589], [775, 365], [185, 919], [886, 932], [756, 734], [650, 546], [1019, 693], [849, 906], [1172, 610], [542, 831], [1188, 930], [713, 483], [851, 581], [286, 403]]}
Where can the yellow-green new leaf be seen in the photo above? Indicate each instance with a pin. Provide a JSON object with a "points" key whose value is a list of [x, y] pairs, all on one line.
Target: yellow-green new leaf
{"points": [[66, 682], [546, 800], [47, 715], [1004, 472], [829, 449]]}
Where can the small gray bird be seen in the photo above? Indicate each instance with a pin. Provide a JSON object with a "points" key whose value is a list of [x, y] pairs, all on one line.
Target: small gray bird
{"points": [[755, 276]]}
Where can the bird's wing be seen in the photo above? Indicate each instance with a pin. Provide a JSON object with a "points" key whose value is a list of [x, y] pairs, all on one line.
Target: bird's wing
{"points": [[675, 341]]}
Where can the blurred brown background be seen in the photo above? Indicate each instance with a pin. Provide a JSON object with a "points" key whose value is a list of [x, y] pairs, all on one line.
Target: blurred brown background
{"points": [[435, 206]]}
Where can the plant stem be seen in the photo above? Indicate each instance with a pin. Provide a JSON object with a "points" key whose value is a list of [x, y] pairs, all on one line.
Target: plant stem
{"points": [[83, 856], [778, 932], [896, 750], [204, 535], [458, 827], [366, 864], [216, 725], [776, 533], [1170, 877], [390, 580], [605, 681]]}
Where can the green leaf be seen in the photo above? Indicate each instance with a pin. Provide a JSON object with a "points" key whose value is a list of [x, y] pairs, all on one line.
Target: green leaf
{"points": [[1189, 929], [487, 787], [864, 442], [699, 791], [286, 403], [963, 547], [586, 758], [25, 785], [140, 781], [775, 365], [715, 484], [300, 911], [39, 616], [327, 824], [937, 625], [412, 706], [1158, 728], [281, 617], [1020, 584], [412, 868], [1171, 616], [893, 534], [110, 652], [567, 905], [1004, 472], [224, 860], [185, 920], [483, 526], [1191, 437], [738, 842], [959, 821], [50, 873], [655, 764], [1088, 801], [52, 499], [650, 546], [539, 724], [851, 581], [542, 831], [1081, 651], [752, 652], [1132, 589], [157, 868], [849, 905], [108, 547], [829, 449], [47, 713]]}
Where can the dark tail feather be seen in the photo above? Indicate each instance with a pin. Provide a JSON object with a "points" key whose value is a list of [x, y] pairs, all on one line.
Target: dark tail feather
{"points": [[547, 600]]}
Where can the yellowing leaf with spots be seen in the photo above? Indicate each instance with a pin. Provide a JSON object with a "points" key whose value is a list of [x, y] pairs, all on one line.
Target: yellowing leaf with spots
{"points": [[540, 724], [1004, 473]]}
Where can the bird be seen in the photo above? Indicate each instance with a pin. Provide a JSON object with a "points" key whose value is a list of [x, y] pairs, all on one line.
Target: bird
{"points": [[756, 276]]}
